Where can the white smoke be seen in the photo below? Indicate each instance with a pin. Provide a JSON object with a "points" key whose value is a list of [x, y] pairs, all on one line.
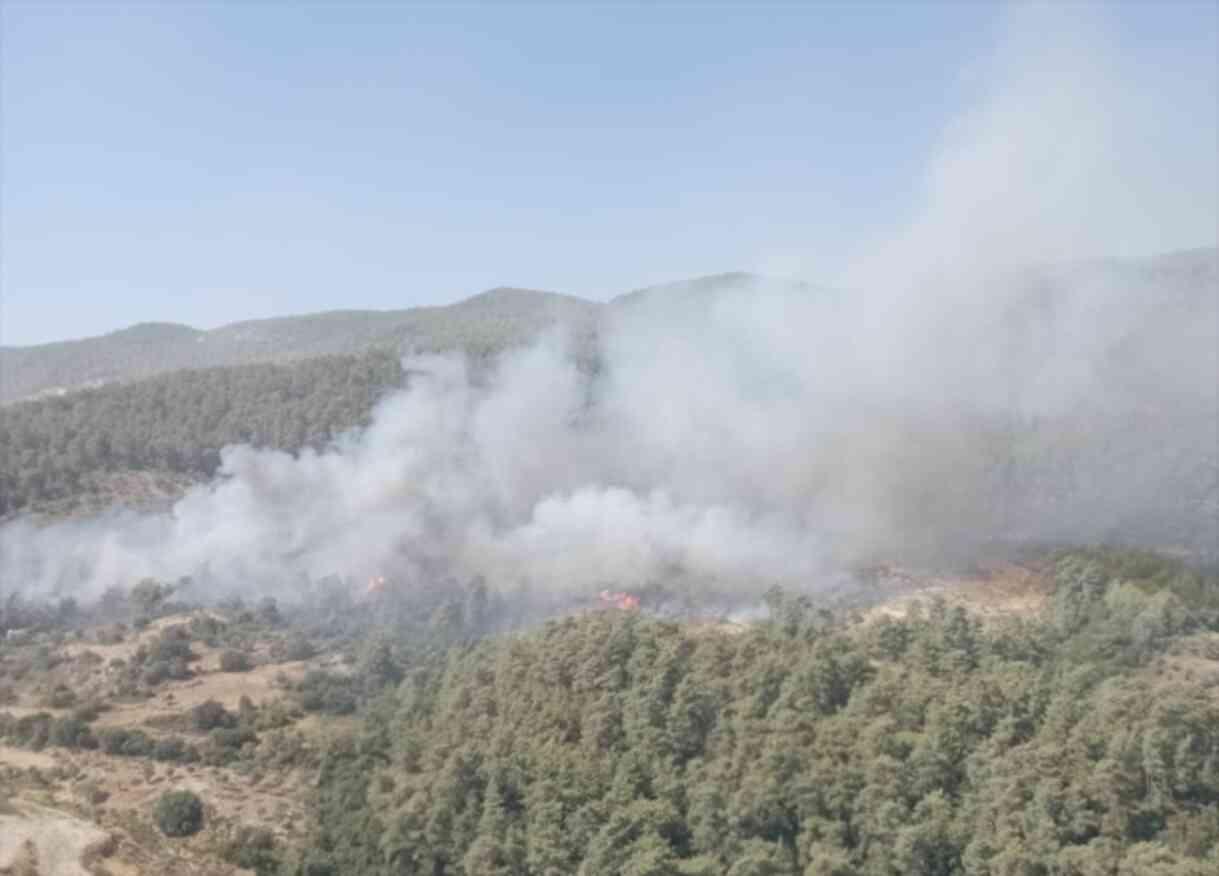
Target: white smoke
{"points": [[959, 388]]}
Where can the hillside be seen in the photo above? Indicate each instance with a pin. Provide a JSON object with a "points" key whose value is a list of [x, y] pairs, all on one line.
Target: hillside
{"points": [[143, 442], [505, 317], [484, 324], [1069, 726], [1082, 741]]}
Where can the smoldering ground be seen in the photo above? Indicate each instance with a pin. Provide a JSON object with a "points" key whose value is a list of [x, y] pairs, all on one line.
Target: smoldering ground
{"points": [[973, 381]]}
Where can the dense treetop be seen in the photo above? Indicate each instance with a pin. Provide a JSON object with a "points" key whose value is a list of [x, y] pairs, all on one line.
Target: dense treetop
{"points": [[1085, 742], [71, 448]]}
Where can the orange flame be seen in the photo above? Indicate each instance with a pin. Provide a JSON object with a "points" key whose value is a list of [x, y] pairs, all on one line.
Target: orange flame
{"points": [[375, 585], [621, 601]]}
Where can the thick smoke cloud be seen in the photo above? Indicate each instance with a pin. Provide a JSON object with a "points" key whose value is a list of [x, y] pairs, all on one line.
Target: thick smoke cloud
{"points": [[967, 385]]}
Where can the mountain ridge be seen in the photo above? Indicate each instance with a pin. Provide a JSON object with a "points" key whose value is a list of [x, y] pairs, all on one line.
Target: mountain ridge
{"points": [[482, 325]]}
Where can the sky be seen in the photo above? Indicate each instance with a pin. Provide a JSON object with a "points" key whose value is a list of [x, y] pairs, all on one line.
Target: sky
{"points": [[206, 163]]}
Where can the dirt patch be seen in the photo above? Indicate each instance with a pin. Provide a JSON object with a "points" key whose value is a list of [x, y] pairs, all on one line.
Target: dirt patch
{"points": [[37, 839], [715, 627], [1005, 590], [260, 684], [115, 798], [19, 757], [125, 649], [1194, 661], [274, 799], [84, 811]]}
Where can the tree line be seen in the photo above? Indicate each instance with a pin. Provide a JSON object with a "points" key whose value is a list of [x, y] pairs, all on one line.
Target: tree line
{"points": [[61, 448]]}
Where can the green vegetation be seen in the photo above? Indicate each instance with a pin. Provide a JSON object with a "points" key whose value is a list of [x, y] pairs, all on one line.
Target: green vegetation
{"points": [[613, 744], [235, 661], [482, 325], [1081, 742], [179, 813], [253, 849], [210, 715], [65, 448]]}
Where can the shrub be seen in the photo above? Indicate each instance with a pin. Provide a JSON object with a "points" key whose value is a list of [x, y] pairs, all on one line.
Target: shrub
{"points": [[173, 749], [324, 692], [179, 813], [94, 794], [88, 711], [210, 715], [295, 648], [126, 743], [172, 646], [33, 731], [60, 697], [253, 849], [234, 661], [71, 733], [155, 673], [225, 744], [91, 658], [206, 628]]}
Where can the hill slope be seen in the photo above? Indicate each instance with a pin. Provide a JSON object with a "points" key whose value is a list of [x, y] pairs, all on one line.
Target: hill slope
{"points": [[483, 324], [1181, 282]]}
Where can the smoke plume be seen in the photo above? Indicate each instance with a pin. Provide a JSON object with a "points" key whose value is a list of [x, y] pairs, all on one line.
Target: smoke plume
{"points": [[972, 382]]}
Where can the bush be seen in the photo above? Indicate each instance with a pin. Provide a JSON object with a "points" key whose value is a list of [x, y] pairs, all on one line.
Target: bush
{"points": [[60, 697], [234, 661], [206, 629], [210, 715], [88, 711], [172, 646], [71, 733], [155, 673], [94, 794], [323, 692], [126, 743], [291, 649], [175, 750], [33, 731], [179, 813], [253, 849]]}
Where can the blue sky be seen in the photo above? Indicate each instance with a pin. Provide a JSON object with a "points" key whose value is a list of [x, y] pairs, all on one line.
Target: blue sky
{"points": [[205, 163]]}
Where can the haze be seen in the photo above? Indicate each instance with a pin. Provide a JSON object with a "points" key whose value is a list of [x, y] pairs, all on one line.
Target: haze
{"points": [[970, 378]]}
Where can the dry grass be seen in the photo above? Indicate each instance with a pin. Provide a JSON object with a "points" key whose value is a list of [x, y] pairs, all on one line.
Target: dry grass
{"points": [[44, 841], [1002, 590], [64, 806], [22, 759], [173, 698]]}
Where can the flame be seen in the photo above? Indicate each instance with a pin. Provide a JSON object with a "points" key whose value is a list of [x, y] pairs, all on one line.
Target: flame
{"points": [[375, 585], [621, 601]]}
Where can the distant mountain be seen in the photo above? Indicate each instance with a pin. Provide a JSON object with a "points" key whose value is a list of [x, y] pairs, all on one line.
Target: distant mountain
{"points": [[482, 325], [507, 317], [689, 290]]}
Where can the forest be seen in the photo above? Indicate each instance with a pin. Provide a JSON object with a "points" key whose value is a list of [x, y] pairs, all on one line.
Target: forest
{"points": [[1084, 741], [450, 737], [66, 448]]}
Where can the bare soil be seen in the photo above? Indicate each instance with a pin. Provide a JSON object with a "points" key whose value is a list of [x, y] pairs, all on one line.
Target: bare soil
{"points": [[36, 840], [1002, 590]]}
